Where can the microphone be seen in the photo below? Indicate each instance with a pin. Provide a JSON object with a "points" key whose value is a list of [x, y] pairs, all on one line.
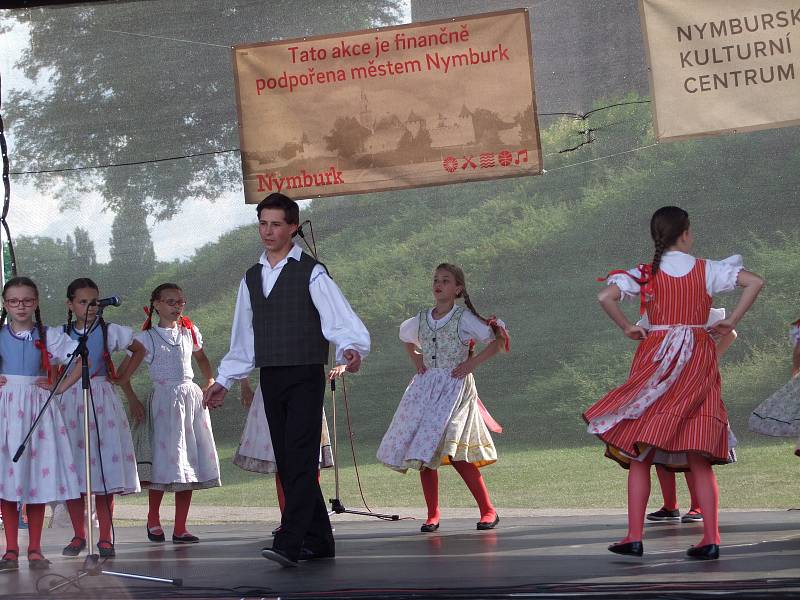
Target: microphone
{"points": [[110, 301], [300, 228]]}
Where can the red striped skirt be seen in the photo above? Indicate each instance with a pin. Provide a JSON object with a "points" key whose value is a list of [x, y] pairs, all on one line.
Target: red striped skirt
{"points": [[688, 417]]}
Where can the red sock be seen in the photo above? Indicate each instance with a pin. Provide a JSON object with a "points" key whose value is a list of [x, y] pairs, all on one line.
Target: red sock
{"points": [[76, 507], [105, 512], [10, 523], [154, 498], [695, 504], [474, 480], [279, 490], [705, 484], [430, 489], [182, 502], [638, 494], [667, 481], [35, 525]]}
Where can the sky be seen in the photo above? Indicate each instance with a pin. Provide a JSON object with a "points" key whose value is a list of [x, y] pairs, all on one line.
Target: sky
{"points": [[33, 213]]}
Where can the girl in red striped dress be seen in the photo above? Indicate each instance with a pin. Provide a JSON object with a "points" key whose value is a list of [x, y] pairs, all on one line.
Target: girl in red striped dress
{"points": [[670, 410]]}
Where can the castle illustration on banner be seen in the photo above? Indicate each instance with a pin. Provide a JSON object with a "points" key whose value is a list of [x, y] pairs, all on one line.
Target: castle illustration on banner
{"points": [[365, 137]]}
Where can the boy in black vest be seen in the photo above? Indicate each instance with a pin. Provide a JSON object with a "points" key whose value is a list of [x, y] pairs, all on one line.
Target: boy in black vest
{"points": [[287, 310]]}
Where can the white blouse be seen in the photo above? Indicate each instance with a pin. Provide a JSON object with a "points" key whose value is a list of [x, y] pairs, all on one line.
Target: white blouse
{"points": [[340, 324], [171, 336], [470, 327], [721, 275], [59, 344]]}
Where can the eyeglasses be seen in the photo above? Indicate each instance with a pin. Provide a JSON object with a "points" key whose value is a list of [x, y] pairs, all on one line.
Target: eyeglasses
{"points": [[14, 302], [174, 303]]}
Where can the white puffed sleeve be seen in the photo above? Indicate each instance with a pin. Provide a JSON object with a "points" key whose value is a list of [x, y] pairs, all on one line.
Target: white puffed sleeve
{"points": [[144, 338], [794, 335], [198, 345], [714, 316], [472, 328], [59, 344], [119, 337], [409, 330], [627, 285], [721, 275]]}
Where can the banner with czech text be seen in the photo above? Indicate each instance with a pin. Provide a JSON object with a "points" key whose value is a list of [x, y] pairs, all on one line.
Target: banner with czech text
{"points": [[722, 65], [390, 108]]}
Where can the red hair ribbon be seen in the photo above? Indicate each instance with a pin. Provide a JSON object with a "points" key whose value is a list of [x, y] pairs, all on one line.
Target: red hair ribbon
{"points": [[112, 370], [46, 366], [148, 322], [499, 331], [646, 293], [186, 322]]}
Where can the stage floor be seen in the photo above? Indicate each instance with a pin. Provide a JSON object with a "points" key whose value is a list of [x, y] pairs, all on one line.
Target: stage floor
{"points": [[527, 556]]}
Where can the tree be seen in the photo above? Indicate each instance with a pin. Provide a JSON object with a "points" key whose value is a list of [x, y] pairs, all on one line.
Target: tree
{"points": [[80, 251], [347, 137], [133, 258], [121, 96]]}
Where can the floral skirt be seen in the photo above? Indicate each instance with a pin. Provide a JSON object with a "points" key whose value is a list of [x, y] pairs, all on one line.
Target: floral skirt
{"points": [[438, 421]]}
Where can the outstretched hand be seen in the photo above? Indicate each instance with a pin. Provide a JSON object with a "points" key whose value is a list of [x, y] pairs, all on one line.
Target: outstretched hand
{"points": [[353, 359], [214, 396]]}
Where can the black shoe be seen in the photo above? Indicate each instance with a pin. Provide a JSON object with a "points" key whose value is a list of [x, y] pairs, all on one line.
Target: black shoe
{"points": [[483, 525], [707, 552], [155, 537], [693, 516], [628, 548], [429, 527], [106, 550], [279, 556], [309, 554], [663, 514], [186, 538], [37, 564], [73, 549], [10, 561]]}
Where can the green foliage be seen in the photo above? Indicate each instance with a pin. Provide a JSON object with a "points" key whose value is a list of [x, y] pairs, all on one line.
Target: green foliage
{"points": [[532, 248]]}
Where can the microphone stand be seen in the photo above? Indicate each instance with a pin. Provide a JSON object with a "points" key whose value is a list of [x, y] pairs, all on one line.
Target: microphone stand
{"points": [[336, 504], [91, 565]]}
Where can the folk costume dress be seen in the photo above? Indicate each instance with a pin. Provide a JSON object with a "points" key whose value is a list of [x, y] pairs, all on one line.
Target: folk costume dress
{"points": [[779, 415], [672, 402], [255, 452], [116, 444], [46, 471], [440, 417], [184, 455]]}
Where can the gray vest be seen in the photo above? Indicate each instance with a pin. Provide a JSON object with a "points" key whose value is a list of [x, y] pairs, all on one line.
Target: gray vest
{"points": [[286, 325]]}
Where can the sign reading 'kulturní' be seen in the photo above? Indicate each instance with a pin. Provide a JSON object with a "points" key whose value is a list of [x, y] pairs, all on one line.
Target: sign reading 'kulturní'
{"points": [[722, 65], [397, 107]]}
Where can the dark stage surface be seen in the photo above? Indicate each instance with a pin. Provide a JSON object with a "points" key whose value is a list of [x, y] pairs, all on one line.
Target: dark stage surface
{"points": [[526, 556]]}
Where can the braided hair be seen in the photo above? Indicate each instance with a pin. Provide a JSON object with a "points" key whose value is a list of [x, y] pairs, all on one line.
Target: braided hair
{"points": [[38, 322], [667, 224], [156, 295], [83, 283], [458, 274]]}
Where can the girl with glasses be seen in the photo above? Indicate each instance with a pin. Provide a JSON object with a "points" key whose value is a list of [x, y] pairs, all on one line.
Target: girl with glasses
{"points": [[184, 455], [46, 471]]}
